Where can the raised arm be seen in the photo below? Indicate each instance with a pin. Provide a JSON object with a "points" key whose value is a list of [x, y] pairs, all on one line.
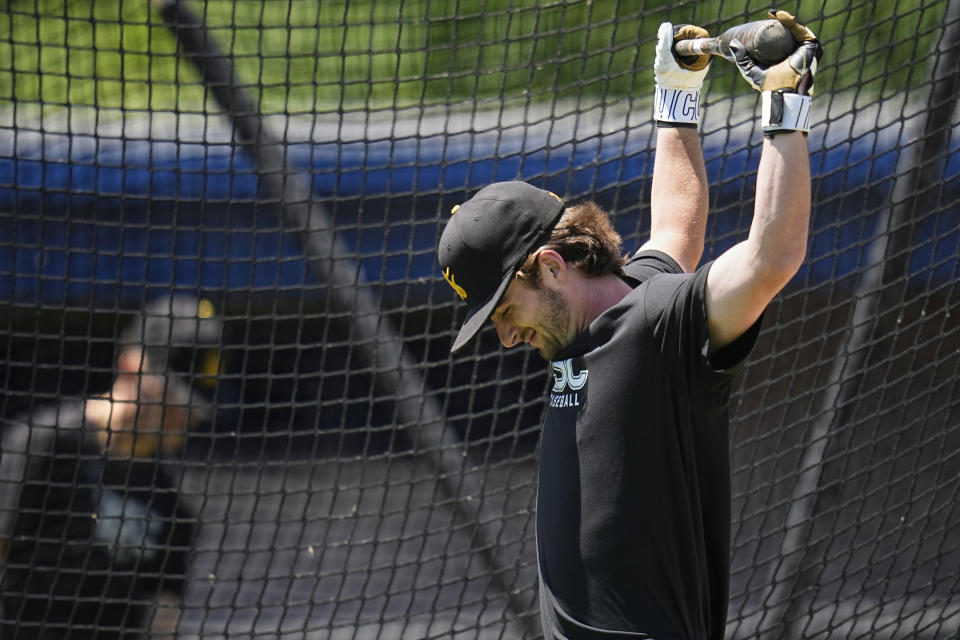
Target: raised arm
{"points": [[678, 202], [746, 277]]}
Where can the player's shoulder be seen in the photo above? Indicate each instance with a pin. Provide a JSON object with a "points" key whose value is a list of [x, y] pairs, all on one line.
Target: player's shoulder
{"points": [[675, 296], [646, 264]]}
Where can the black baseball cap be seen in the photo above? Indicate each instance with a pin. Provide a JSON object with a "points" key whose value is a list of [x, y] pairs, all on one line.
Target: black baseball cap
{"points": [[485, 241], [180, 335]]}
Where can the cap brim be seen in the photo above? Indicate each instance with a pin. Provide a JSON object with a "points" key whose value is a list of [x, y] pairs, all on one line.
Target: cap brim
{"points": [[478, 315]]}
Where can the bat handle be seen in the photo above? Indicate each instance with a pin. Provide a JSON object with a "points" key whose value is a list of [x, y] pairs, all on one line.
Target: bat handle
{"points": [[700, 47], [766, 41]]}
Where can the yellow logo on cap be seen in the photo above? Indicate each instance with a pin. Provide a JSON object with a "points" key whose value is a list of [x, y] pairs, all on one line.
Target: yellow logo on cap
{"points": [[448, 276], [205, 309]]}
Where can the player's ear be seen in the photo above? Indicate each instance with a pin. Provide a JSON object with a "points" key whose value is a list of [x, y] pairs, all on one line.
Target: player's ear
{"points": [[553, 268]]}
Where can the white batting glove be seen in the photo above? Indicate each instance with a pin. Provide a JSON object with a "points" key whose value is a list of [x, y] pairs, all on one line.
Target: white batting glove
{"points": [[667, 69], [678, 81]]}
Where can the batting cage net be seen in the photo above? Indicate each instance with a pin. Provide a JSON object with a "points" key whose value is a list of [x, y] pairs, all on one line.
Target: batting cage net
{"points": [[229, 404]]}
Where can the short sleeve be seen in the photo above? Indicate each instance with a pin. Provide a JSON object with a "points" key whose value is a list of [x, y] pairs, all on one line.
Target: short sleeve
{"points": [[675, 306], [646, 264]]}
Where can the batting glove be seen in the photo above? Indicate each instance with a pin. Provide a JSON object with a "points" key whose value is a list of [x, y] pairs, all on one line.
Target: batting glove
{"points": [[678, 78], [786, 86]]}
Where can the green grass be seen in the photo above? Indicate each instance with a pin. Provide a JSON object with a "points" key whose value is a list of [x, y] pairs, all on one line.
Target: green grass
{"points": [[296, 56]]}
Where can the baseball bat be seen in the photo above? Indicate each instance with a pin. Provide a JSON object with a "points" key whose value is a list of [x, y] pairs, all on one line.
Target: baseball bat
{"points": [[767, 41]]}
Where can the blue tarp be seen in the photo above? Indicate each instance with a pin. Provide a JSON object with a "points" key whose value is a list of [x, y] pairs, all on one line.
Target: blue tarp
{"points": [[76, 227]]}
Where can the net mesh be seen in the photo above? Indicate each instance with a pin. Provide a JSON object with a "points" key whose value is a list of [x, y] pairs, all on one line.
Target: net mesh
{"points": [[293, 162]]}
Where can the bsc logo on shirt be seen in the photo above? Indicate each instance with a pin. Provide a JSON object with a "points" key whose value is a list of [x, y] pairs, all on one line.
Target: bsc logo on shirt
{"points": [[565, 378]]}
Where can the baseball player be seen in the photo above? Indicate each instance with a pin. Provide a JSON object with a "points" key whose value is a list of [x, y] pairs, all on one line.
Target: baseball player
{"points": [[633, 509], [94, 540]]}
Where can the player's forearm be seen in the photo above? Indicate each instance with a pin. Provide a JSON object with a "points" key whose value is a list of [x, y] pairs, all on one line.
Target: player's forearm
{"points": [[679, 196], [781, 219]]}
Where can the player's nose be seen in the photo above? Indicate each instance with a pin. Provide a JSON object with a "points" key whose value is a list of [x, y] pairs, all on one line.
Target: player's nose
{"points": [[508, 333]]}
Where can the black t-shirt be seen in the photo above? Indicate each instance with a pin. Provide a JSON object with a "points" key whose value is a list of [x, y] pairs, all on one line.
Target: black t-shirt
{"points": [[633, 509], [91, 538]]}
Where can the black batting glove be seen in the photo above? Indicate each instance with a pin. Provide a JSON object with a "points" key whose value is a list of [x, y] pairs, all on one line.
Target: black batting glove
{"points": [[796, 73], [785, 86]]}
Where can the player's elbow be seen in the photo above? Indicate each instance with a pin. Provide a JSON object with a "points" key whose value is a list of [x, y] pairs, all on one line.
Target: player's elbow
{"points": [[778, 267]]}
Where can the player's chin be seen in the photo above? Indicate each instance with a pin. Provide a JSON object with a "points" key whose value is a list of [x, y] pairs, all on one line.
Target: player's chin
{"points": [[549, 352], [551, 343]]}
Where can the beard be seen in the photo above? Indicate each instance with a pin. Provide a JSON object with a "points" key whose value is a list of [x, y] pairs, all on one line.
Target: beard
{"points": [[555, 319]]}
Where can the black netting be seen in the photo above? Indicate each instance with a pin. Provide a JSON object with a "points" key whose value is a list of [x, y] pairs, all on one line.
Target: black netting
{"points": [[287, 167]]}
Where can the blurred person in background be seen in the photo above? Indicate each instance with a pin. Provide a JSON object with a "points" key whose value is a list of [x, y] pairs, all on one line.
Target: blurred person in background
{"points": [[94, 538]]}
